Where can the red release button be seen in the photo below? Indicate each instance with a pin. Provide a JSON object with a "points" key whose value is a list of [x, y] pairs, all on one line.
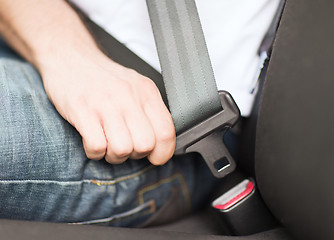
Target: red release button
{"points": [[234, 195]]}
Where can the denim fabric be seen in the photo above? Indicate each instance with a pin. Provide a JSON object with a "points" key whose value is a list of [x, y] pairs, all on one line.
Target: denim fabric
{"points": [[46, 176]]}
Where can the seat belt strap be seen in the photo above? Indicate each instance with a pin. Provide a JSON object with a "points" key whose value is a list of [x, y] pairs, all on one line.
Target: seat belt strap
{"points": [[203, 136], [184, 60], [197, 109]]}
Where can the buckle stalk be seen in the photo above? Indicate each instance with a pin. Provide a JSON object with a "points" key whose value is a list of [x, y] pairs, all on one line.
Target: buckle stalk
{"points": [[206, 138]]}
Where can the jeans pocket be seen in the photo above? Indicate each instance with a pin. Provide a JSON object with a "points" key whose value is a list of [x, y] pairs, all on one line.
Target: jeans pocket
{"points": [[171, 207], [158, 203]]}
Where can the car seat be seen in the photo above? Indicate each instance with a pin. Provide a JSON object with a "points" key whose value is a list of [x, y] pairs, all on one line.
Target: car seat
{"points": [[293, 152]]}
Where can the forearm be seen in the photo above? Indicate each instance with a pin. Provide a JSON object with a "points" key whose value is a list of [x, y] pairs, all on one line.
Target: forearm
{"points": [[45, 31]]}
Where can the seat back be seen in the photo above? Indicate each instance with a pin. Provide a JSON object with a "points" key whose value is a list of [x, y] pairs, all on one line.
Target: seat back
{"points": [[294, 146]]}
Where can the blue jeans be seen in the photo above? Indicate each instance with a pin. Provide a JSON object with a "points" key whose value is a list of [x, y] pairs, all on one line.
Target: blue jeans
{"points": [[46, 176]]}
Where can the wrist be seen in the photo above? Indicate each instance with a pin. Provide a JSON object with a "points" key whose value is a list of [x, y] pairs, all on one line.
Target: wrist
{"points": [[69, 57]]}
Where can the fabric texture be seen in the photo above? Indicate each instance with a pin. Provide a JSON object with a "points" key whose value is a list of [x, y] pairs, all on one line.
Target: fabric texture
{"points": [[185, 63], [233, 31], [45, 175]]}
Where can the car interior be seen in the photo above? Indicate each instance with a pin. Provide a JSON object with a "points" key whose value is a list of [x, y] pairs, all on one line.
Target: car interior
{"points": [[288, 158]]}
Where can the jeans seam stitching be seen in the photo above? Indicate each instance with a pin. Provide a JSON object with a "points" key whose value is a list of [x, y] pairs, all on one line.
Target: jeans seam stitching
{"points": [[93, 181], [132, 212]]}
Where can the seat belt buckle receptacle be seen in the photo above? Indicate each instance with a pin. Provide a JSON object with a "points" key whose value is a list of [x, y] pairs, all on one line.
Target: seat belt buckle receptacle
{"points": [[206, 137], [241, 210]]}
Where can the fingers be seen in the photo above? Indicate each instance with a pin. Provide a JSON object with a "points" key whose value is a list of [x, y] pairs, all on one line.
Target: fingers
{"points": [[141, 132], [118, 112], [129, 133], [119, 140], [164, 130], [125, 124], [93, 137], [146, 128]]}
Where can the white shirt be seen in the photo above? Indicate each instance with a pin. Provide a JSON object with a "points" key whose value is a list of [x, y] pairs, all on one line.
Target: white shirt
{"points": [[233, 30]]}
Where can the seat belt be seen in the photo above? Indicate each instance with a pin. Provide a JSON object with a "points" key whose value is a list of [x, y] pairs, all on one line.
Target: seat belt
{"points": [[201, 116]]}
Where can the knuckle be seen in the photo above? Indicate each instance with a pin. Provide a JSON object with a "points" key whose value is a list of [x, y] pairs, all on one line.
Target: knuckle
{"points": [[114, 160], [166, 135], [122, 151], [144, 147], [95, 150], [96, 147]]}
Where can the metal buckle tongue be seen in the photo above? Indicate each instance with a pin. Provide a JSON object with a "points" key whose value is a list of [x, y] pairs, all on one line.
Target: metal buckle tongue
{"points": [[206, 138]]}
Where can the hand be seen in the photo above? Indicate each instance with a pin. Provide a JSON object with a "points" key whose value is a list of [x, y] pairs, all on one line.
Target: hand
{"points": [[118, 112]]}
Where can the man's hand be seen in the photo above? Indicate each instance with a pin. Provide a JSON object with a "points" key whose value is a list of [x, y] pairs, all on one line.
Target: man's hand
{"points": [[118, 112]]}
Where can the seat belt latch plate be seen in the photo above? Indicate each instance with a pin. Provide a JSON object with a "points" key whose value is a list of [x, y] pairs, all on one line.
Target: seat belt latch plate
{"points": [[206, 138]]}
